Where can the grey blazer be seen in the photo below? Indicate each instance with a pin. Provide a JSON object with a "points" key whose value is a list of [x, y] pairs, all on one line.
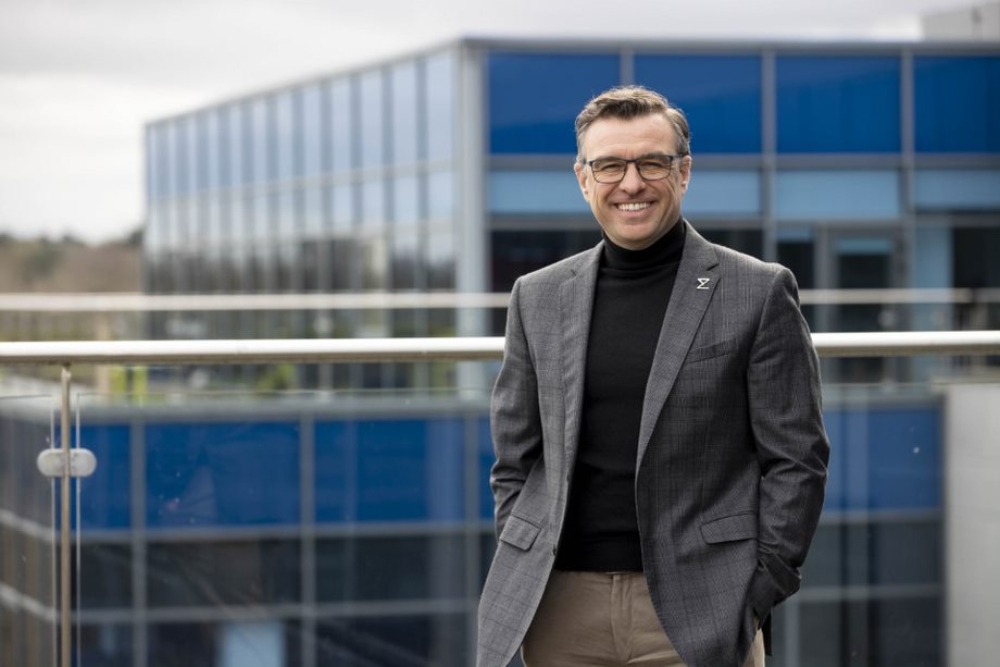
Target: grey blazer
{"points": [[732, 458]]}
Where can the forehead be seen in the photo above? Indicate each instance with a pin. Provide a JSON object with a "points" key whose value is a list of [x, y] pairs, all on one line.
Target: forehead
{"points": [[636, 136]]}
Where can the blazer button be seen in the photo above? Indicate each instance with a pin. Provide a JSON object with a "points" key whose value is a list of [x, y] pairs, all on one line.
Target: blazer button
{"points": [[554, 550]]}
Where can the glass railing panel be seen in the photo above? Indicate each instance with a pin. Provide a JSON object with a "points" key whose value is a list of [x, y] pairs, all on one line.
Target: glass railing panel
{"points": [[283, 528], [353, 527], [29, 613]]}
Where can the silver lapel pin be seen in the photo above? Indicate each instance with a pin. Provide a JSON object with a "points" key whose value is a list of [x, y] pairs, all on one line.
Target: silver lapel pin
{"points": [[703, 283]]}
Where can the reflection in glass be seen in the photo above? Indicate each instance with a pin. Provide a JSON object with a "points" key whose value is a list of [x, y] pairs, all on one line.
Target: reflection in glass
{"points": [[441, 195], [405, 200], [313, 135], [342, 206], [373, 213], [286, 134], [720, 95], [341, 125], [440, 100], [372, 120], [838, 104], [404, 113]]}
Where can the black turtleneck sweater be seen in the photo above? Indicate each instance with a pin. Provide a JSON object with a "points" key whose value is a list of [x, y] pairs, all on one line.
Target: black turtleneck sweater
{"points": [[601, 531]]}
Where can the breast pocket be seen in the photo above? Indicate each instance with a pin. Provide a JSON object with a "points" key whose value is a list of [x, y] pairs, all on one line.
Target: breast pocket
{"points": [[711, 351]]}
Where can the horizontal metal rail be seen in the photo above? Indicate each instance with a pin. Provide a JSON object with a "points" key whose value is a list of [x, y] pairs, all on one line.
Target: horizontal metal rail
{"points": [[133, 302], [263, 351]]}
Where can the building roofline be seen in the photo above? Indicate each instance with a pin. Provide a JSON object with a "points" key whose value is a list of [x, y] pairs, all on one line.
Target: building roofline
{"points": [[606, 44]]}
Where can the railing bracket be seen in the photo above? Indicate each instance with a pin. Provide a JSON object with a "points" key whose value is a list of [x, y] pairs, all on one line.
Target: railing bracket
{"points": [[52, 463]]}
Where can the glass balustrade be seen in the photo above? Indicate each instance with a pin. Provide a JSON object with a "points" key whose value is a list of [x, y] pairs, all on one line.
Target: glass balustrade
{"points": [[354, 527]]}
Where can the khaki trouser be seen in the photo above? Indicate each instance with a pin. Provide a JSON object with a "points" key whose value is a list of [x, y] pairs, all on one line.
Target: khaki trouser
{"points": [[595, 619]]}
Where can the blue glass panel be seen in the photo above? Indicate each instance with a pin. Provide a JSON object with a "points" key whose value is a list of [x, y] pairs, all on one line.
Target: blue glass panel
{"points": [[213, 146], [837, 195], [342, 206], [957, 190], [439, 98], [486, 459], [373, 202], [312, 130], [372, 119], [957, 104], [441, 195], [534, 99], [234, 167], [406, 200], [722, 193], [222, 474], [286, 134], [406, 470], [404, 113], [516, 192], [838, 104], [105, 500], [884, 458], [341, 126], [720, 95], [260, 129]]}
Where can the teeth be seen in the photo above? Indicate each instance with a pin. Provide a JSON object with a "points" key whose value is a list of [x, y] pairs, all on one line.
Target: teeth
{"points": [[637, 206]]}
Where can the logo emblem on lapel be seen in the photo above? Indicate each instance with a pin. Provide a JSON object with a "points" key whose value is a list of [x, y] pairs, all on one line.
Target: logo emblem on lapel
{"points": [[703, 283]]}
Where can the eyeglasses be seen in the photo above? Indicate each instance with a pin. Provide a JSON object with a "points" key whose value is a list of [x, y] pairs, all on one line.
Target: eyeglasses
{"points": [[610, 170]]}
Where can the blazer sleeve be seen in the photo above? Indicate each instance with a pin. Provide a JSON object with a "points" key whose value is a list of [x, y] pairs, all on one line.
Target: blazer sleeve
{"points": [[515, 422], [787, 421]]}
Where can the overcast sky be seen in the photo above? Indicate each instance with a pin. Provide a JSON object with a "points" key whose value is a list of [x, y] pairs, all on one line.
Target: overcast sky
{"points": [[79, 78]]}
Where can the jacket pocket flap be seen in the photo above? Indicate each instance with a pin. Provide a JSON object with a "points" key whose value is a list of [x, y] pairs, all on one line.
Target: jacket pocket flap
{"points": [[729, 528], [519, 532], [709, 351]]}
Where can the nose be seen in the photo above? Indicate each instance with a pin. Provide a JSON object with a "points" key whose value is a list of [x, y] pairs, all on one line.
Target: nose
{"points": [[632, 181]]}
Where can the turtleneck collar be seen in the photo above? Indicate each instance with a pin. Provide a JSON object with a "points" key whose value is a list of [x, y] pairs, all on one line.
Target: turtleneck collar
{"points": [[665, 250]]}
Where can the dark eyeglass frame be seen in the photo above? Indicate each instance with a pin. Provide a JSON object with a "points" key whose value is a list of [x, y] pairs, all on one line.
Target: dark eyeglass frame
{"points": [[667, 159]]}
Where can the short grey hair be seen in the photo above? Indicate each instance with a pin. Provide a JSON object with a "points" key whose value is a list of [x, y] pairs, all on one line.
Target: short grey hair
{"points": [[626, 103]]}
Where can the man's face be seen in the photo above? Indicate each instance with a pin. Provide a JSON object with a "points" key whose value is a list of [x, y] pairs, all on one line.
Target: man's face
{"points": [[634, 213]]}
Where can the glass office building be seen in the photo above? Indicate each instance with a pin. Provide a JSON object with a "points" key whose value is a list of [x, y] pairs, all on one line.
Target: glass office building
{"points": [[858, 166]]}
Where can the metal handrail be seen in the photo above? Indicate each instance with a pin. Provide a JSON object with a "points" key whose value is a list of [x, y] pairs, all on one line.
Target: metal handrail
{"points": [[125, 302], [483, 348]]}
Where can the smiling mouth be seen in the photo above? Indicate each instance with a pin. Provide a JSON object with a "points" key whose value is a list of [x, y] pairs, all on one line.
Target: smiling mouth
{"points": [[634, 206]]}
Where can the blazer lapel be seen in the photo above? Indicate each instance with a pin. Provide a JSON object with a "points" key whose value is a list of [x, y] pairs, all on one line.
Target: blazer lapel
{"points": [[576, 300], [693, 288]]}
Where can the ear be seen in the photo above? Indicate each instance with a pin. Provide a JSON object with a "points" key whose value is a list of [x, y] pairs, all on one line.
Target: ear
{"points": [[581, 178], [685, 173]]}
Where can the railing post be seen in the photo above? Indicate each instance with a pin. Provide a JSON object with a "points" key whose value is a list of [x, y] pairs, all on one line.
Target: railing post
{"points": [[65, 526]]}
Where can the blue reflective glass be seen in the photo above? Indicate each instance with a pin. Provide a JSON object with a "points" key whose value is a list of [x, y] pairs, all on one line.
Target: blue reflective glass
{"points": [[723, 193], [341, 126], [957, 190], [439, 111], [405, 200], [527, 192], [884, 458], [404, 113], [486, 459], [837, 195], [312, 130], [372, 119], [312, 209], [213, 148], [720, 95], [441, 195], [215, 474], [286, 134], [234, 169], [838, 104], [373, 202], [105, 498], [534, 99], [260, 133], [957, 104], [406, 470]]}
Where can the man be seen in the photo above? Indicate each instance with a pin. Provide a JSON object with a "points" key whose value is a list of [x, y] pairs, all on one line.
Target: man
{"points": [[660, 450]]}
